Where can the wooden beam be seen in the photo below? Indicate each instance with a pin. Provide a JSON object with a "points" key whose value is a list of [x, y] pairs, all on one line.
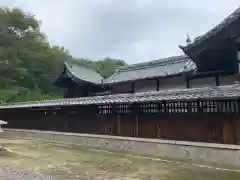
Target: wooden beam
{"points": [[188, 84], [133, 87], [217, 81], [157, 84]]}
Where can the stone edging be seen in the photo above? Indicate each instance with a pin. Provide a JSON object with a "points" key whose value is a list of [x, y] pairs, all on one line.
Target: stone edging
{"points": [[159, 141]]}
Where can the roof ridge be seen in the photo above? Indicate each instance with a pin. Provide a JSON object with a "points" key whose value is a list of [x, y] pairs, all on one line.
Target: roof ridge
{"points": [[158, 62]]}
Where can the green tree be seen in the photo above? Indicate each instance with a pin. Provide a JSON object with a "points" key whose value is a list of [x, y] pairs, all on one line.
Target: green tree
{"points": [[106, 67], [29, 64], [27, 59]]}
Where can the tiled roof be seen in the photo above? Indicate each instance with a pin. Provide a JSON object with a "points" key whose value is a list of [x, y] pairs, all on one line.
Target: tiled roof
{"points": [[221, 92], [229, 20], [158, 68], [83, 72]]}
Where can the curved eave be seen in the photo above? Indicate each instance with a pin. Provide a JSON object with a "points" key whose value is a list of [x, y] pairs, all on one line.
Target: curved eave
{"points": [[60, 80], [78, 80], [66, 75], [226, 23]]}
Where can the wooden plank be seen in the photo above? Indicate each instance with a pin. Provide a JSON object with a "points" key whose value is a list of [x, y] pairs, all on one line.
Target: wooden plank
{"points": [[229, 131]]}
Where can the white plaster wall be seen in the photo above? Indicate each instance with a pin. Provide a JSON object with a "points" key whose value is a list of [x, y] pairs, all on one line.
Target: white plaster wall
{"points": [[226, 80], [121, 88], [150, 85], [203, 82], [145, 86], [172, 83]]}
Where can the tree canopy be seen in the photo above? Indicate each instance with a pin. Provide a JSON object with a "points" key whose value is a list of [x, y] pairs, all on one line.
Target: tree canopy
{"points": [[29, 64]]}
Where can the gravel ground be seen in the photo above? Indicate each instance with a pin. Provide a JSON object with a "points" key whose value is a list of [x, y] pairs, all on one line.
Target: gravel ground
{"points": [[8, 173], [26, 159]]}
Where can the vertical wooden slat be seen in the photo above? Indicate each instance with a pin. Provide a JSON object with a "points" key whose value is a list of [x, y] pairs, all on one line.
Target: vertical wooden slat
{"points": [[135, 117], [165, 109], [136, 127]]}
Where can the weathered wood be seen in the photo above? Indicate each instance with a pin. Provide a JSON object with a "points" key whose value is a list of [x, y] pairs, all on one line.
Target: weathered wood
{"points": [[136, 126], [229, 135], [189, 121], [118, 124]]}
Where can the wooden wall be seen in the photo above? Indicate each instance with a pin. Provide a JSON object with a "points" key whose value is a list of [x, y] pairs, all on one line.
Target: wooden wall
{"points": [[205, 127]]}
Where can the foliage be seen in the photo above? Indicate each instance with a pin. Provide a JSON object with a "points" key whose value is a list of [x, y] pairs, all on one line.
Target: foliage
{"points": [[29, 64], [106, 67]]}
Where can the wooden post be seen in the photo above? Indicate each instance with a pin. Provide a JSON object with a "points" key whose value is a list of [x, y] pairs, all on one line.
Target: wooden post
{"points": [[133, 87], [217, 81], [158, 133], [136, 126], [118, 124], [116, 113], [136, 117], [158, 86], [188, 85]]}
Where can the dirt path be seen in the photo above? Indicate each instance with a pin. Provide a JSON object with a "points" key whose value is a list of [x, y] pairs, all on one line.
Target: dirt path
{"points": [[38, 160]]}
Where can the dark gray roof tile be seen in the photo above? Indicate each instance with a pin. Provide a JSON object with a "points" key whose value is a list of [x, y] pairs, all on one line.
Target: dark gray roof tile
{"points": [[158, 68], [221, 92], [83, 72]]}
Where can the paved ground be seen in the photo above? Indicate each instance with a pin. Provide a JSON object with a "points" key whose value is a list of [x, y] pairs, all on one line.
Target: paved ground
{"points": [[26, 159]]}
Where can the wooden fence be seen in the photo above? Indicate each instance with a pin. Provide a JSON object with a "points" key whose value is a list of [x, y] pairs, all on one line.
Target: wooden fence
{"points": [[208, 121]]}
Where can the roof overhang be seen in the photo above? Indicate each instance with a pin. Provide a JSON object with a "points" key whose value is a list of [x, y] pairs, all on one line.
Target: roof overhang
{"points": [[227, 32], [68, 76], [147, 78], [176, 95]]}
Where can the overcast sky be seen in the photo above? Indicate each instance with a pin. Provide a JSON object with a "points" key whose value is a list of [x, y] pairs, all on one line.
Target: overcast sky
{"points": [[132, 30]]}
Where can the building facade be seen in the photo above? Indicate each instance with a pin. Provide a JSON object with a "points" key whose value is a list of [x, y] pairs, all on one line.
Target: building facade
{"points": [[210, 60], [192, 97], [164, 74]]}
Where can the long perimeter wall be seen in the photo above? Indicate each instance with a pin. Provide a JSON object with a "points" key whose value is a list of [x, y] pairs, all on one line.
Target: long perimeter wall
{"points": [[210, 125]]}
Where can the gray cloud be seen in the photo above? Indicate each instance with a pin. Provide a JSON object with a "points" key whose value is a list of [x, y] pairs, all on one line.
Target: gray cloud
{"points": [[133, 30]]}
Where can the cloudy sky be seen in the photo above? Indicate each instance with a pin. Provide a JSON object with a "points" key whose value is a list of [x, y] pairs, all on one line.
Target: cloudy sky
{"points": [[133, 30]]}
